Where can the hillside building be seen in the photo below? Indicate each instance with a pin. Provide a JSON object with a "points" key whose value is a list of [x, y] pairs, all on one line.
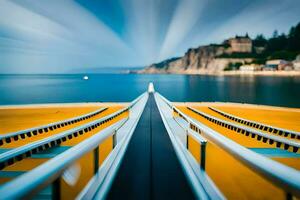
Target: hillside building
{"points": [[272, 65], [250, 68], [240, 44]]}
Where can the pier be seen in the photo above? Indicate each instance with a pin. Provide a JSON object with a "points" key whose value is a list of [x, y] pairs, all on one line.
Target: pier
{"points": [[151, 148], [151, 156]]}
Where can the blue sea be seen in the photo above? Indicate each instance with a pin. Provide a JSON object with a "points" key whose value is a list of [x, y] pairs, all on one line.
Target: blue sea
{"points": [[66, 88]]}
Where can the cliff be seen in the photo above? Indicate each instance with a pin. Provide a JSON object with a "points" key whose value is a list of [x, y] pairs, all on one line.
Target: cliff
{"points": [[202, 60]]}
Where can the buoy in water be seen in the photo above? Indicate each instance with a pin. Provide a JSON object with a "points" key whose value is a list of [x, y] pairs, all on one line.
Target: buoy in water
{"points": [[85, 78]]}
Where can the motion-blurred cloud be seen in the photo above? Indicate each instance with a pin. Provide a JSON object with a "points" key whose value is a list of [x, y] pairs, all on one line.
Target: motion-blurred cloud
{"points": [[62, 36]]}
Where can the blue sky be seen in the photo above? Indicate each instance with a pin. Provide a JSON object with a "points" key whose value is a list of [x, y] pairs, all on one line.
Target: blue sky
{"points": [[60, 36]]}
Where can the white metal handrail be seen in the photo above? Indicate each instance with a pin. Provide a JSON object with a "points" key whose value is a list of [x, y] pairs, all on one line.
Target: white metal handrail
{"points": [[281, 175], [99, 186], [203, 187], [198, 138], [248, 130], [50, 171], [16, 154]]}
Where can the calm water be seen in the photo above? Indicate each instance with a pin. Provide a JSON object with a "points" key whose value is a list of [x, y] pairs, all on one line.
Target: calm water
{"points": [[26, 89]]}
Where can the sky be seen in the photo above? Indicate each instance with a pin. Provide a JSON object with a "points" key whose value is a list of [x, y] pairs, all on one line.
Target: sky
{"points": [[61, 36]]}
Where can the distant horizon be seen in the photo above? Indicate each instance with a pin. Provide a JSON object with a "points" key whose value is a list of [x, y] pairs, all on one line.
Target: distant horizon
{"points": [[38, 37], [120, 69], [99, 70]]}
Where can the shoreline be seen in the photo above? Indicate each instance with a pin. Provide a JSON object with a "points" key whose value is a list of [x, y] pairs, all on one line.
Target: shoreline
{"points": [[262, 73], [227, 73]]}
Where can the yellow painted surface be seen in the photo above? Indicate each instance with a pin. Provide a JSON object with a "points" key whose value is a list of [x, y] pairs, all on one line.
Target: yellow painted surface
{"points": [[291, 162], [26, 164], [246, 141], [231, 176], [80, 138], [22, 166], [236, 180], [4, 180], [37, 137], [215, 114], [238, 135], [85, 162], [86, 166], [105, 148], [209, 112], [16, 119], [241, 139], [286, 119], [194, 148]]}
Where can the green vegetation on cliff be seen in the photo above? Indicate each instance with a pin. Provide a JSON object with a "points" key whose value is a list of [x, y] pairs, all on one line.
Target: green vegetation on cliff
{"points": [[235, 51], [280, 46], [277, 47], [233, 66]]}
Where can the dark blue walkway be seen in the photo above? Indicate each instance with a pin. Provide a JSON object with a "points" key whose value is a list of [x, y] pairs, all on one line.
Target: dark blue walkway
{"points": [[150, 168]]}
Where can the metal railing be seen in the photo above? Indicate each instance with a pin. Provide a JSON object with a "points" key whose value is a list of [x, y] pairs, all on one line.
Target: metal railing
{"points": [[20, 135], [17, 154], [202, 185], [198, 138], [99, 186], [286, 178], [250, 131], [51, 171], [190, 133], [258, 125]]}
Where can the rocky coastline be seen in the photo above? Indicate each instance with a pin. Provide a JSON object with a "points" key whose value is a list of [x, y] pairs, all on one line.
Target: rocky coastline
{"points": [[239, 55]]}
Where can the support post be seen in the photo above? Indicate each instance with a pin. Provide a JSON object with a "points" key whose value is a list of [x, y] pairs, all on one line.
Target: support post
{"points": [[56, 189], [115, 139], [187, 139], [96, 159], [203, 155], [289, 196]]}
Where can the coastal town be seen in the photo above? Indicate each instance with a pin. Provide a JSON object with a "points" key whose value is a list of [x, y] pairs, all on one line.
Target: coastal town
{"points": [[244, 44], [278, 55]]}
